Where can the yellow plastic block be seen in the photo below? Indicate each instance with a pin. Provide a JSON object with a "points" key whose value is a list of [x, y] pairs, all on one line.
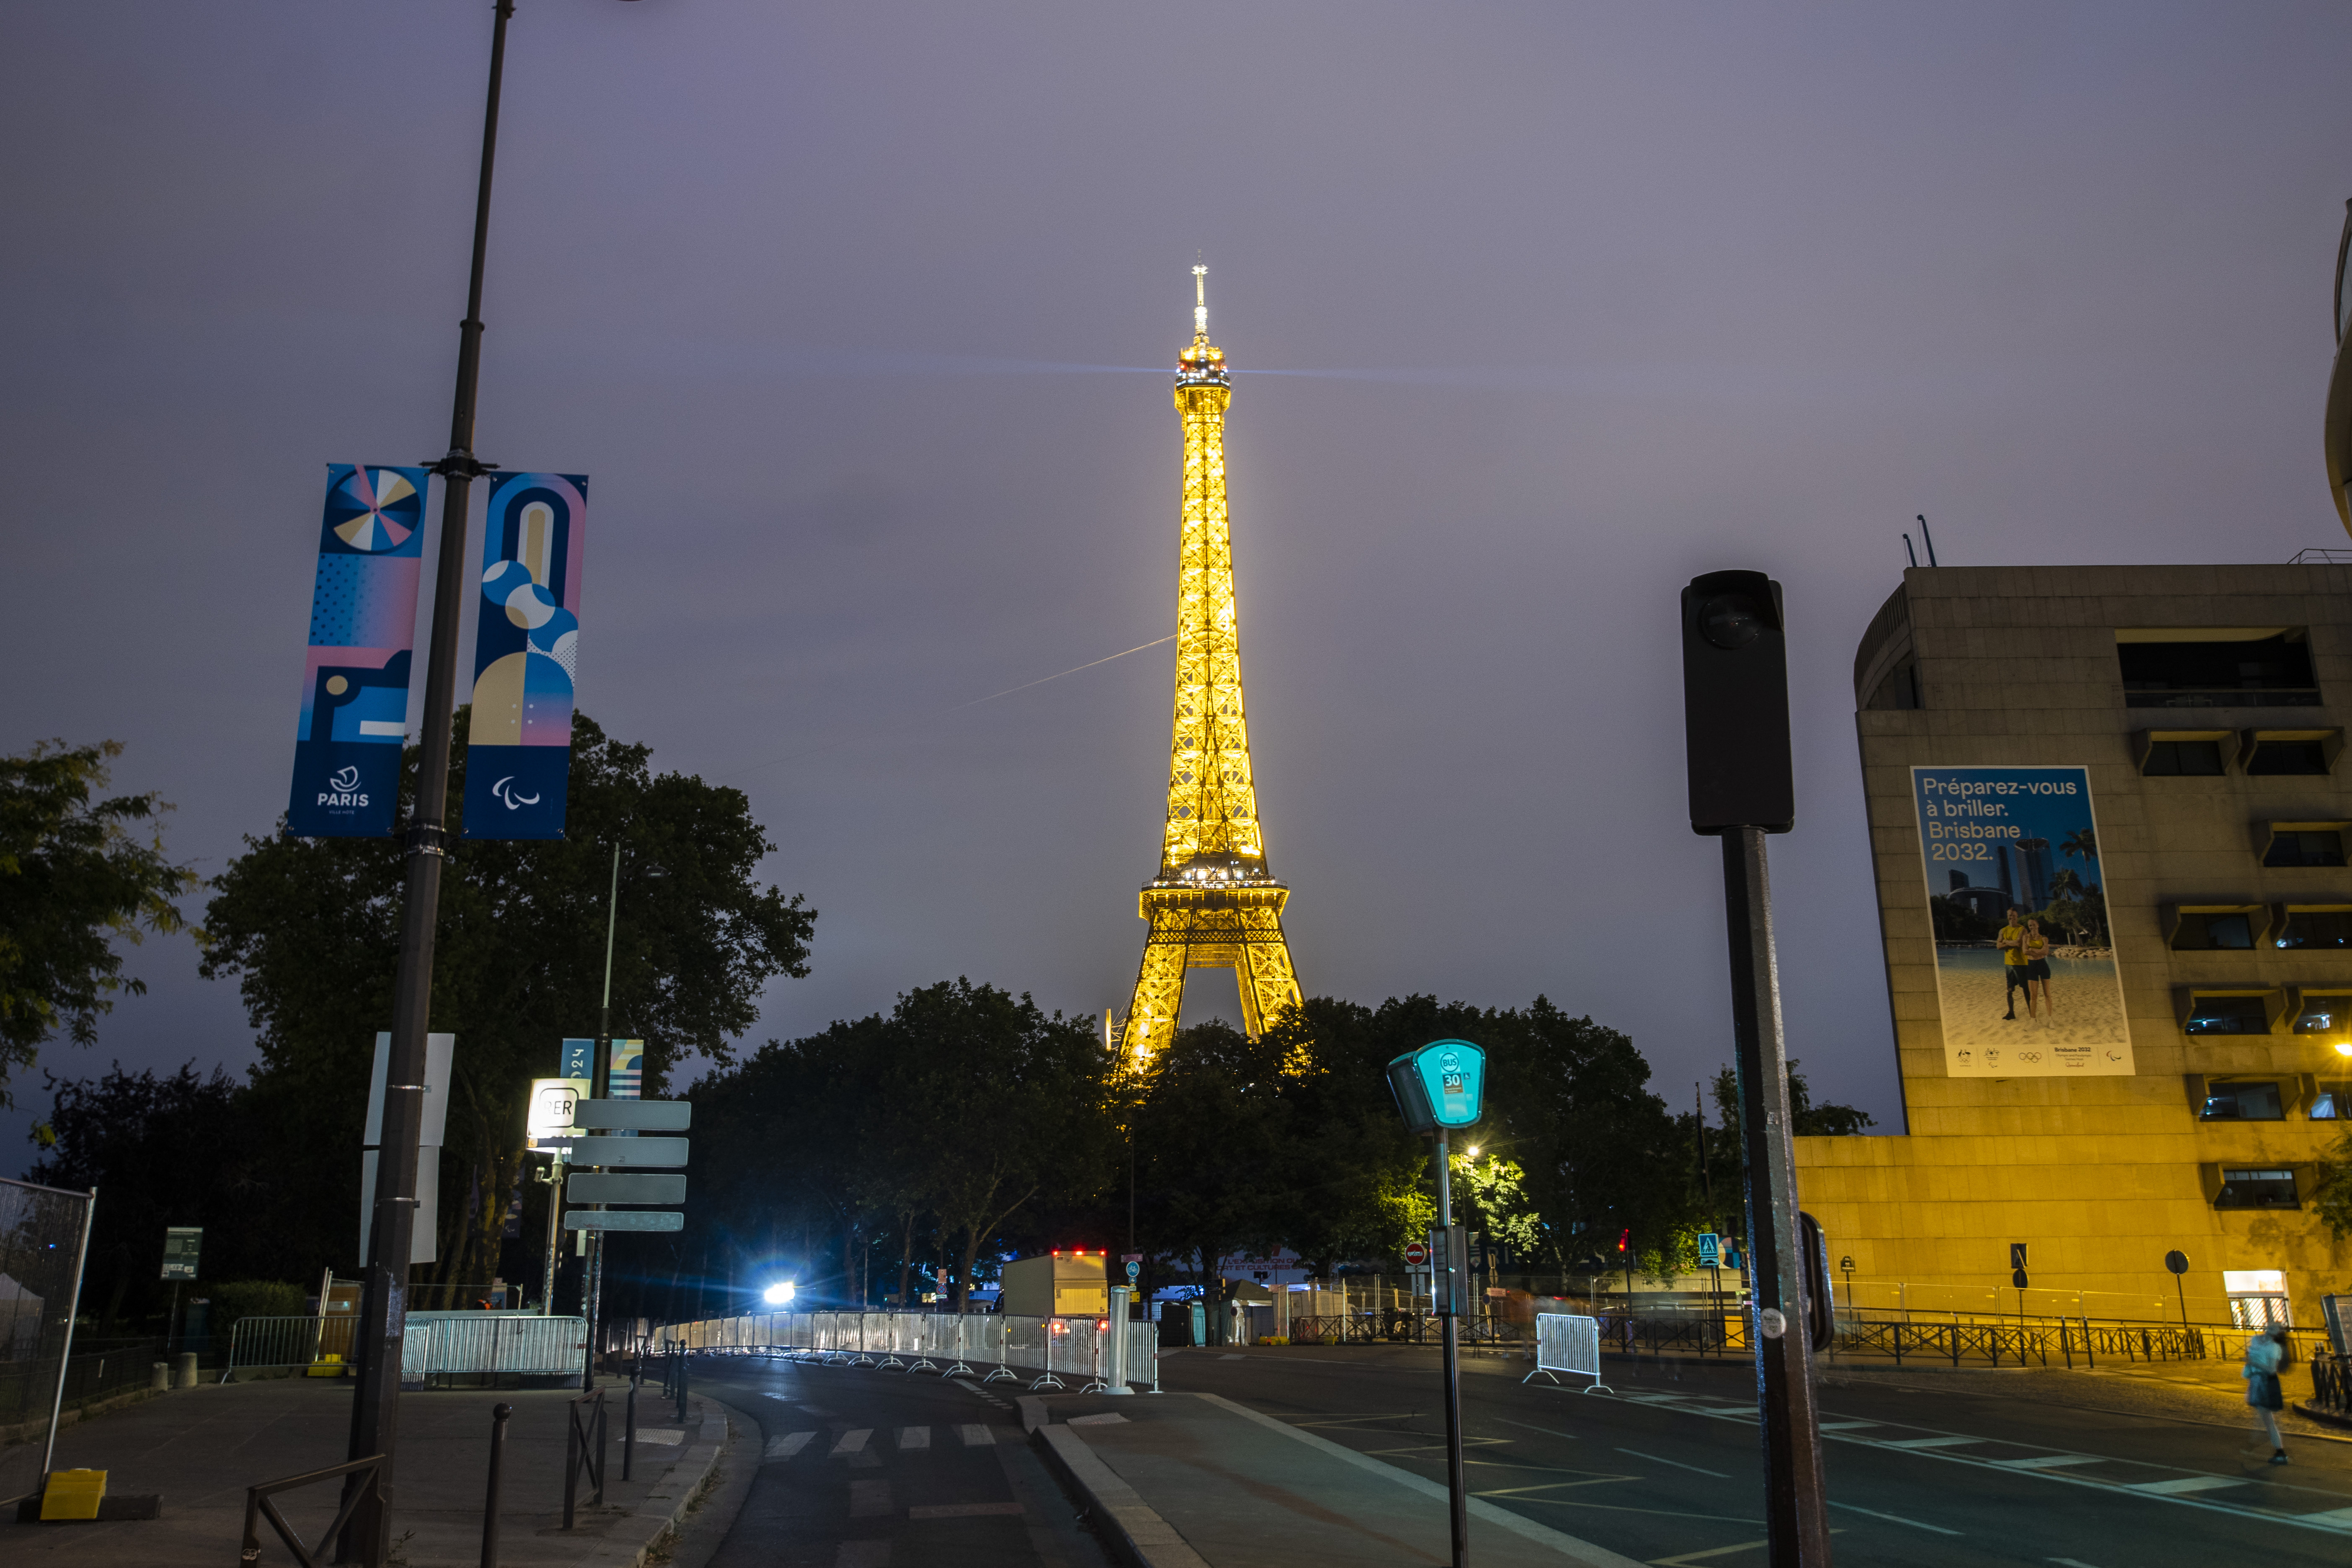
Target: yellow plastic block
{"points": [[73, 1494], [330, 1365]]}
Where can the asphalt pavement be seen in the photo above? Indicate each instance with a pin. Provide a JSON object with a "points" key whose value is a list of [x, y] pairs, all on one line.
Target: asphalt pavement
{"points": [[2073, 1470], [862, 1469]]}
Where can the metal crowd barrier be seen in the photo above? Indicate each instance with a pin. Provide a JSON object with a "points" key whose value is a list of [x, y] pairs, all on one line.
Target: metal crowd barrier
{"points": [[1568, 1342], [990, 1346], [288, 1341], [452, 1346]]}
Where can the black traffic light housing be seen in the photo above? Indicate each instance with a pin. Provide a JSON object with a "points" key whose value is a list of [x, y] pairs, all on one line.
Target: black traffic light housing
{"points": [[1736, 703]]}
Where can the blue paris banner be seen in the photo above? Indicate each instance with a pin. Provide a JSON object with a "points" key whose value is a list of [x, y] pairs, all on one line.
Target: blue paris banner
{"points": [[363, 628], [526, 654]]}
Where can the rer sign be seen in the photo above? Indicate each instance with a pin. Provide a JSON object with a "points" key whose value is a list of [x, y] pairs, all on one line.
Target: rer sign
{"points": [[1442, 1085]]}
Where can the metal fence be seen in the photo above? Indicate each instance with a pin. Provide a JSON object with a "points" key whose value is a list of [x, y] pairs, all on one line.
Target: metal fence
{"points": [[44, 1234], [259, 1341], [1075, 1351], [2331, 1383], [489, 1345], [1566, 1341]]}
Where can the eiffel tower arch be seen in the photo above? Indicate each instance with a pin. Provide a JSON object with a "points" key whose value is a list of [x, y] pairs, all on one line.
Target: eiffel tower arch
{"points": [[1212, 902]]}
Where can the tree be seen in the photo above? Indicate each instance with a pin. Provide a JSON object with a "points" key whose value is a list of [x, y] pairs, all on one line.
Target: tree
{"points": [[74, 875], [308, 927], [162, 1152], [1806, 1119], [2331, 1193]]}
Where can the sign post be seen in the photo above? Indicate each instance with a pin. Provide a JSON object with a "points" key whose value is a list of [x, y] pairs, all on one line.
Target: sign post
{"points": [[2177, 1261], [1440, 1087], [1742, 788], [182, 1246]]}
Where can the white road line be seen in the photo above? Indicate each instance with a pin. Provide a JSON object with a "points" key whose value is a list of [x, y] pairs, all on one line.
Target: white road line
{"points": [[1929, 1442], [784, 1447], [2070, 1563], [1703, 1556], [851, 1442], [1652, 1398], [870, 1500], [2051, 1461], [914, 1438], [1892, 1518], [1544, 1430], [1678, 1464], [1845, 1426], [2182, 1484], [977, 1436]]}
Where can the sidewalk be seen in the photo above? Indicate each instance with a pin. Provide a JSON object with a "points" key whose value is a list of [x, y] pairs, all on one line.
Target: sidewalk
{"points": [[1192, 1480], [201, 1448]]}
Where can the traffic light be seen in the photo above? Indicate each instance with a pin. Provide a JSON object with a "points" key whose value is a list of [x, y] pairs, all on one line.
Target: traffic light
{"points": [[1624, 1239], [1736, 703]]}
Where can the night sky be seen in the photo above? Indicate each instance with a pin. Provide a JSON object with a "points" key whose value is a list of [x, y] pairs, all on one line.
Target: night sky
{"points": [[861, 318]]}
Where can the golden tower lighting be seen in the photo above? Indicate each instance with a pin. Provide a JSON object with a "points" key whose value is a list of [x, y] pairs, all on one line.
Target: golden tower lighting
{"points": [[1212, 904]]}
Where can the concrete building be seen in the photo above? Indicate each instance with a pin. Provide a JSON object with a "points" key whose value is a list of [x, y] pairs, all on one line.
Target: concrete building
{"points": [[2175, 1083]]}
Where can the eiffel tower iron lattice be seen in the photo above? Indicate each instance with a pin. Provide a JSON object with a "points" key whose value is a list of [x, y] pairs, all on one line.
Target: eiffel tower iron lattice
{"points": [[1213, 904]]}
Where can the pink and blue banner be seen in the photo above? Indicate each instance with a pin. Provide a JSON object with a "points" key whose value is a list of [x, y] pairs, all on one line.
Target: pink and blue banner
{"points": [[526, 654], [363, 628]]}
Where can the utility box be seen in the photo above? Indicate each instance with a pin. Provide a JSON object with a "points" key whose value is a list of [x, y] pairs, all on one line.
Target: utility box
{"points": [[1061, 1284]]}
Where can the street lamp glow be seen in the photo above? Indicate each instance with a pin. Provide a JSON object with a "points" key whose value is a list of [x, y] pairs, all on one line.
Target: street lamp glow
{"points": [[778, 1293], [2344, 1048], [1474, 1151]]}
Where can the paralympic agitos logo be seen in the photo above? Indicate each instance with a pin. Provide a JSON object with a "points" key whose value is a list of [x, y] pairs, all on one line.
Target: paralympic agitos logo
{"points": [[341, 789]]}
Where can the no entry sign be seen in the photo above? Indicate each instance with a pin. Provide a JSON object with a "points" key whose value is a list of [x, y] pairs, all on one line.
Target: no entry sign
{"points": [[1416, 1253]]}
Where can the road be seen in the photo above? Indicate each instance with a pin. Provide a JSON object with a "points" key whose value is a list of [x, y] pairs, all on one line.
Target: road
{"points": [[1925, 1469], [864, 1469]]}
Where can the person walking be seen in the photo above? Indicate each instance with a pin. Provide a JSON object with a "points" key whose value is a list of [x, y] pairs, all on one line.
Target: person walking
{"points": [[2266, 1353]]}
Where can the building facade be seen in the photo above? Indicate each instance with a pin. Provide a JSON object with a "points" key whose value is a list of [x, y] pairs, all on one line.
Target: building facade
{"points": [[2142, 760]]}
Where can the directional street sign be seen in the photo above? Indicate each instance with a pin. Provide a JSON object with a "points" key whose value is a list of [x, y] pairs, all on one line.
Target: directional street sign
{"points": [[181, 1243], [655, 1153], [1416, 1253], [600, 1186], [635, 1116], [623, 1219], [1710, 1249]]}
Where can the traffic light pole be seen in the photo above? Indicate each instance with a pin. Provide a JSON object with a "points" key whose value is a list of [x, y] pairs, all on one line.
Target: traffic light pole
{"points": [[1449, 1302], [1795, 1510], [383, 1307]]}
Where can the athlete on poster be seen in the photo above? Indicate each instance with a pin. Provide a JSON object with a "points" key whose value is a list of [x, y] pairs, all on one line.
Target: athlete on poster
{"points": [[2025, 960]]}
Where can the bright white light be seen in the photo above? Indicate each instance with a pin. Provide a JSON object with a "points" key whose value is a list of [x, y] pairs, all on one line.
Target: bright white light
{"points": [[1474, 1151], [778, 1293], [2344, 1048]]}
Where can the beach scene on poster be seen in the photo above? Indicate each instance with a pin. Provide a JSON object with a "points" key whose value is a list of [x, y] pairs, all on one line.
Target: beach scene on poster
{"points": [[2025, 960]]}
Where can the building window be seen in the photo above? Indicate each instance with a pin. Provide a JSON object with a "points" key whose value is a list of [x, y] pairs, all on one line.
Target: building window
{"points": [[2217, 666], [2204, 932], [2273, 758], [2257, 1298], [2242, 1102], [2256, 1189], [1900, 689], [2333, 1101], [2329, 927], [2305, 845], [2228, 1015], [2183, 759]]}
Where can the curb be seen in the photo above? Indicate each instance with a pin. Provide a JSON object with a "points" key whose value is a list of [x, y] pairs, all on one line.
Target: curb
{"points": [[678, 1487], [2325, 1417], [1135, 1533]]}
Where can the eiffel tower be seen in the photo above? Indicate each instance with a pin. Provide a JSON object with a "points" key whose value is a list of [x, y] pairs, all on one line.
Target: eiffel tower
{"points": [[1212, 904]]}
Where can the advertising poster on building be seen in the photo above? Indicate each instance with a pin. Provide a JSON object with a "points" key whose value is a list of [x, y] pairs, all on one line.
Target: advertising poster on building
{"points": [[525, 656], [2025, 961], [355, 676]]}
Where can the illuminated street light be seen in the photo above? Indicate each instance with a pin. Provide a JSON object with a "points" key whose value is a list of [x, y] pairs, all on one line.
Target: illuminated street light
{"points": [[778, 1293]]}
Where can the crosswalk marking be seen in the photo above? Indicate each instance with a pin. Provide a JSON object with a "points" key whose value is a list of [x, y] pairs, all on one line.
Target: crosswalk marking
{"points": [[2178, 1485], [785, 1447], [977, 1436], [914, 1438], [963, 1510], [2052, 1461], [851, 1442], [2337, 1516], [1845, 1426], [1929, 1442]]}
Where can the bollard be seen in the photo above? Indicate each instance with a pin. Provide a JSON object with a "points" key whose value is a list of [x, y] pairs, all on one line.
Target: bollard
{"points": [[185, 1377], [629, 1431], [491, 1502], [160, 1380], [681, 1386]]}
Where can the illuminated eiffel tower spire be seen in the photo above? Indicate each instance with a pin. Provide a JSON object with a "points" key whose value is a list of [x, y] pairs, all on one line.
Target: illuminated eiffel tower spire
{"points": [[1212, 904]]}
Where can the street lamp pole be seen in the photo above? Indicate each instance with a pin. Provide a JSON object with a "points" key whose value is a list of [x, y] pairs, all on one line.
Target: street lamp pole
{"points": [[384, 1306]]}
